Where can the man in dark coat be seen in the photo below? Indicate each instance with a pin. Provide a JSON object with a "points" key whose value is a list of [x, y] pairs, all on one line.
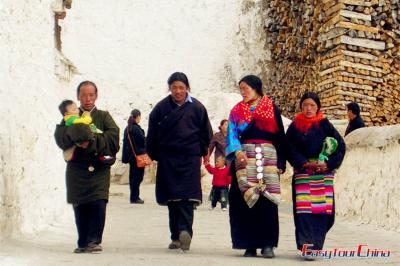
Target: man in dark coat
{"points": [[355, 120], [87, 175], [178, 136]]}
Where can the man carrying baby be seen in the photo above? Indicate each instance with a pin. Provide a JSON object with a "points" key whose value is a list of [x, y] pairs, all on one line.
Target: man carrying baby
{"points": [[87, 176]]}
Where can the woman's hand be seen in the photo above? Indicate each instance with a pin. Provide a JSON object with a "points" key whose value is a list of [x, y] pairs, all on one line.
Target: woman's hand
{"points": [[241, 159], [321, 168]]}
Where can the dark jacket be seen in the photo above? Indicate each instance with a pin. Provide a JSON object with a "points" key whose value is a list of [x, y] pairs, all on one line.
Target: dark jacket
{"points": [[354, 124], [137, 136], [85, 186], [302, 147], [177, 138], [178, 129]]}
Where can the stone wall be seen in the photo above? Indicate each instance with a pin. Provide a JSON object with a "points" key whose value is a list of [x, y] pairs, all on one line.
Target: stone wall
{"points": [[367, 184]]}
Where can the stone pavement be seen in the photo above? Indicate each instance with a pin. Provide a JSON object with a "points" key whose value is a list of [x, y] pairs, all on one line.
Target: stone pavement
{"points": [[139, 235]]}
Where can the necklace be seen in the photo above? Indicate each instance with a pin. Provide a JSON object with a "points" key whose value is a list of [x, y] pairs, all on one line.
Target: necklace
{"points": [[83, 110]]}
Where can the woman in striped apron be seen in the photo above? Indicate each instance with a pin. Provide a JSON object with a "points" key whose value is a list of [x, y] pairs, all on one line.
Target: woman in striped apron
{"points": [[256, 145], [309, 136]]}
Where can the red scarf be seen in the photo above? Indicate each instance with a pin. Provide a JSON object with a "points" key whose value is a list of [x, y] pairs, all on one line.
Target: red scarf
{"points": [[263, 115], [304, 124]]}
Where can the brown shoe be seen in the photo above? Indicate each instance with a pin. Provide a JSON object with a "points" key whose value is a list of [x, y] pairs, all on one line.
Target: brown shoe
{"points": [[94, 248], [175, 244], [80, 250], [185, 239]]}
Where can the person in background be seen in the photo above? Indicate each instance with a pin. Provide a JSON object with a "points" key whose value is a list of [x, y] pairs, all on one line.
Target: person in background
{"points": [[355, 120], [221, 181], [218, 141], [137, 138]]}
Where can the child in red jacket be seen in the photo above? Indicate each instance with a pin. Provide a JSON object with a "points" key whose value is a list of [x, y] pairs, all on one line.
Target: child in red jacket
{"points": [[221, 181]]}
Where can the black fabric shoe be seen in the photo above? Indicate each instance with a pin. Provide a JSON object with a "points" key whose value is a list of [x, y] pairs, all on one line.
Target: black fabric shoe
{"points": [[175, 244], [185, 239], [268, 252], [80, 250], [138, 201], [250, 253], [308, 256]]}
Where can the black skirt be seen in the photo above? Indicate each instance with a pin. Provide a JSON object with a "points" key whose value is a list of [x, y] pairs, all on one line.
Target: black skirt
{"points": [[311, 228], [252, 228], [178, 178]]}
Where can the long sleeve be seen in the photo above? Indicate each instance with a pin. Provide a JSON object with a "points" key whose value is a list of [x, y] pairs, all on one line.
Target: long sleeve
{"points": [[108, 141], [295, 157], [205, 133], [210, 169], [152, 137], [66, 137], [232, 140], [336, 159], [280, 143], [138, 139], [127, 154], [228, 176], [213, 143]]}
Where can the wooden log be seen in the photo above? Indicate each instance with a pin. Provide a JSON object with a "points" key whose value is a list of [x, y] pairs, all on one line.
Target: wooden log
{"points": [[362, 42], [360, 66], [353, 26], [356, 2], [355, 15]]}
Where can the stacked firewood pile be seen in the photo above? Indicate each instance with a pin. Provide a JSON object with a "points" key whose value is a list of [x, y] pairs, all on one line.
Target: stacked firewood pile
{"points": [[346, 50]]}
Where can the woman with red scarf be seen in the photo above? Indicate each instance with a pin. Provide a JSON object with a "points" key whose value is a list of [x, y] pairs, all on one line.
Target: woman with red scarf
{"points": [[312, 185], [256, 145]]}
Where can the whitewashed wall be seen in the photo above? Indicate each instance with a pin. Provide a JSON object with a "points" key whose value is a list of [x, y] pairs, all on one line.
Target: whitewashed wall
{"points": [[129, 48], [32, 193], [367, 184]]}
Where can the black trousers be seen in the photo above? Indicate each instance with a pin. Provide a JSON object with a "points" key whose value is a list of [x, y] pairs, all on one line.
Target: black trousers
{"points": [[135, 179], [219, 194], [180, 217], [90, 220]]}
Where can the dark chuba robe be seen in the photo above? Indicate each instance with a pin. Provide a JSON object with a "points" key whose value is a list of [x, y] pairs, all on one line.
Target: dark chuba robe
{"points": [[177, 138], [312, 228], [256, 227], [354, 124], [85, 186]]}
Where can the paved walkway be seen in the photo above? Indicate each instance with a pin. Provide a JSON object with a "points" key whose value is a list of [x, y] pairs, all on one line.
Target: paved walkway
{"points": [[138, 235]]}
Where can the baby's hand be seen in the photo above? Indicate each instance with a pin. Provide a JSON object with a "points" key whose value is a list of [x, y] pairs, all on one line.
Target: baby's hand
{"points": [[84, 145]]}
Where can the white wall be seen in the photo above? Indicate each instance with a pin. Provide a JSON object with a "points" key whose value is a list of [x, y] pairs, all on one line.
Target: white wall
{"points": [[32, 192], [129, 48], [367, 184]]}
